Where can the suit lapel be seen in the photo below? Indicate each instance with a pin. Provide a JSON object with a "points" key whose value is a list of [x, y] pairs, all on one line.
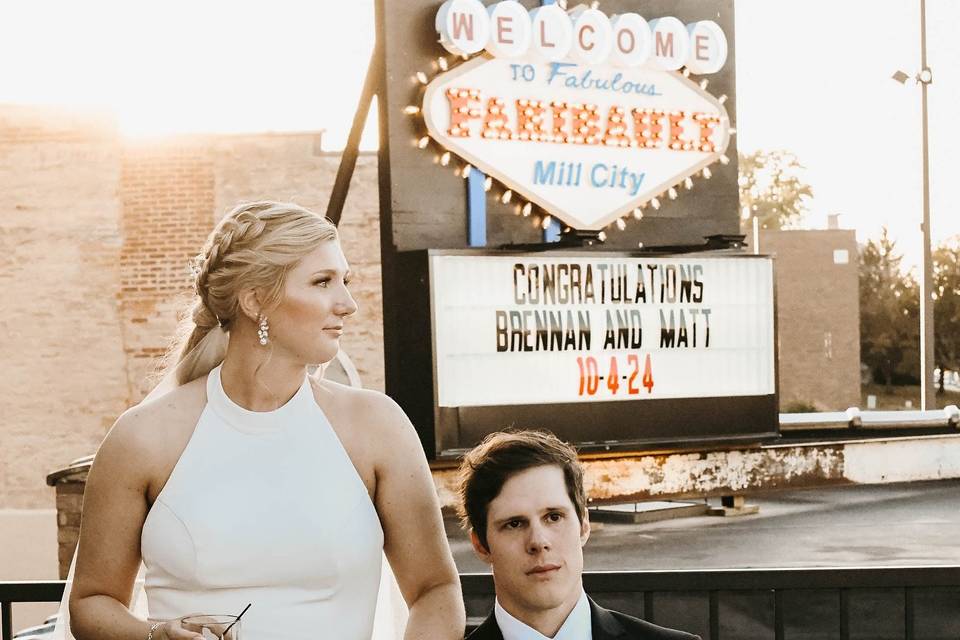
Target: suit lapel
{"points": [[602, 623], [488, 630]]}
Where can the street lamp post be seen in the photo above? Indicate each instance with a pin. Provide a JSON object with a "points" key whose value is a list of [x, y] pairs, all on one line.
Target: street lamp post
{"points": [[928, 397]]}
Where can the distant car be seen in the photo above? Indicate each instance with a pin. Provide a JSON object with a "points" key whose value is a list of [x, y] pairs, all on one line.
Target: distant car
{"points": [[40, 631]]}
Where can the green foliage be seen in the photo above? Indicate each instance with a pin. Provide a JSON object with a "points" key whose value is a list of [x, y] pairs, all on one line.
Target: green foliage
{"points": [[946, 306], [889, 313], [771, 189]]}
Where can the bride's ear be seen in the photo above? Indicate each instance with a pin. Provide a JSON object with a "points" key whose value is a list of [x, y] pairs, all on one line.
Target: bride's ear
{"points": [[249, 303]]}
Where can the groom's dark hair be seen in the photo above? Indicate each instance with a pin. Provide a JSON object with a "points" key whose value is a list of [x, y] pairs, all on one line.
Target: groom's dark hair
{"points": [[501, 455]]}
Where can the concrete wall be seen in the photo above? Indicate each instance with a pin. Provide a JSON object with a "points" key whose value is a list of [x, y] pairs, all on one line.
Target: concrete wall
{"points": [[95, 237]]}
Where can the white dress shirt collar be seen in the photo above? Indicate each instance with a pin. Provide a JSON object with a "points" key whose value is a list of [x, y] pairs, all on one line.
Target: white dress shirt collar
{"points": [[575, 627]]}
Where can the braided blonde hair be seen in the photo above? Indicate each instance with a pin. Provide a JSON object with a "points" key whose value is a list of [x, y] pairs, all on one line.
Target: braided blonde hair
{"points": [[253, 247]]}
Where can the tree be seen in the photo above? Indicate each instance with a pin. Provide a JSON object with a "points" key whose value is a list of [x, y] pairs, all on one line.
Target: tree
{"points": [[771, 189], [946, 307], [889, 312]]}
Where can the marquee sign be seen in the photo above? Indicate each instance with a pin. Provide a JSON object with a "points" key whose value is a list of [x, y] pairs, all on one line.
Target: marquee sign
{"points": [[581, 114], [531, 329]]}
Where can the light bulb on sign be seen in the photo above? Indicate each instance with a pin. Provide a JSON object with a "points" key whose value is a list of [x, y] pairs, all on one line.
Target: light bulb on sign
{"points": [[505, 198], [510, 29], [671, 43], [552, 33], [445, 158], [638, 214], [527, 208], [592, 36], [463, 25], [422, 77], [632, 40], [708, 47], [423, 142], [411, 110], [621, 224]]}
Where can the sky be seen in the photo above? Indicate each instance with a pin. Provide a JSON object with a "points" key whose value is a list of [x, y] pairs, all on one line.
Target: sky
{"points": [[813, 78]]}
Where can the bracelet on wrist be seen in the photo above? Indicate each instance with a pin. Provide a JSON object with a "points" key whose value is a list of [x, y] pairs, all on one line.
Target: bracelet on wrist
{"points": [[156, 625]]}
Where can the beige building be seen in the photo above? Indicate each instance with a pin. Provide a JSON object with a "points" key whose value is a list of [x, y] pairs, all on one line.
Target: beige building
{"points": [[818, 317]]}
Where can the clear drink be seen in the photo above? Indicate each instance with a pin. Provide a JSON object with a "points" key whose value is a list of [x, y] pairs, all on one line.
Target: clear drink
{"points": [[213, 626]]}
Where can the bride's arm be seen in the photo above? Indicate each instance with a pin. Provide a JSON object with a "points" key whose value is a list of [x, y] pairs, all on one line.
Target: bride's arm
{"points": [[108, 555], [414, 538]]}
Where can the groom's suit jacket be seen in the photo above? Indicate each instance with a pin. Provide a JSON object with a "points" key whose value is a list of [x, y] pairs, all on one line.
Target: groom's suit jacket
{"points": [[605, 624]]}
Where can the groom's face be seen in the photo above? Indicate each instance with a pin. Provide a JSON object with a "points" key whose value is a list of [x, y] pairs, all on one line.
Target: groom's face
{"points": [[535, 544]]}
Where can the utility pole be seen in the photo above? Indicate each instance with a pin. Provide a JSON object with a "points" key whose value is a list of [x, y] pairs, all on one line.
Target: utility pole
{"points": [[928, 393]]}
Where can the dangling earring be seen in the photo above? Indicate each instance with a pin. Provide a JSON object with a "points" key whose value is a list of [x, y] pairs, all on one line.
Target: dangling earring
{"points": [[263, 330]]}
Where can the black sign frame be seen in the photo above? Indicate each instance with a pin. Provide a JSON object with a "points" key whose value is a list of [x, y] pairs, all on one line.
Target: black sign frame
{"points": [[625, 425]]}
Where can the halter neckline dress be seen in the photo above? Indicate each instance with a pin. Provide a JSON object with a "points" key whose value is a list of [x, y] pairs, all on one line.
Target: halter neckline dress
{"points": [[265, 508]]}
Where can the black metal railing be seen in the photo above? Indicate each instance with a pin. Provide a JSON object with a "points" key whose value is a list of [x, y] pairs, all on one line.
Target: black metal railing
{"points": [[885, 603], [32, 591], [873, 603]]}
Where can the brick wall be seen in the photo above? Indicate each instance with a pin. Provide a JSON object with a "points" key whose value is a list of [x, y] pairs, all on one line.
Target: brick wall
{"points": [[818, 316], [167, 195], [95, 235], [62, 379]]}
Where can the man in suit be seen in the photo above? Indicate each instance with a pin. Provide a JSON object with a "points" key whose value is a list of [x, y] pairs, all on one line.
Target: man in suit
{"points": [[522, 499]]}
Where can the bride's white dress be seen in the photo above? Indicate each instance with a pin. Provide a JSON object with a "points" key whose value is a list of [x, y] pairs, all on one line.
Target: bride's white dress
{"points": [[266, 508]]}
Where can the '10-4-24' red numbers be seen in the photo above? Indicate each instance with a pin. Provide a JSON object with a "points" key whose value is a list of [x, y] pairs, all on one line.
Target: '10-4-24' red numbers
{"points": [[590, 377]]}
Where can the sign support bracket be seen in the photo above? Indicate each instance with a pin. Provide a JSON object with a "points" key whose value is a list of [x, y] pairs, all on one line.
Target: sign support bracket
{"points": [[348, 161]]}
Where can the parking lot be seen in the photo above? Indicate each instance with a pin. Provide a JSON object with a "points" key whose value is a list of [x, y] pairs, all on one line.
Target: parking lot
{"points": [[914, 523]]}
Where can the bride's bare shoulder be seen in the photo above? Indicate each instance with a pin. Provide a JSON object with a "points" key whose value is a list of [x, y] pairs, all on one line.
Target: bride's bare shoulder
{"points": [[376, 412], [159, 423]]}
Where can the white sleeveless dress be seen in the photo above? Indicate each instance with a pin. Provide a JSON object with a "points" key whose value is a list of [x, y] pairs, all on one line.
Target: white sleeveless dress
{"points": [[265, 508]]}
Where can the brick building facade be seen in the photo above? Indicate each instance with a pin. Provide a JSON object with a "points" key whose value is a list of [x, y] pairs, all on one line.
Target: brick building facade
{"points": [[95, 236], [818, 317]]}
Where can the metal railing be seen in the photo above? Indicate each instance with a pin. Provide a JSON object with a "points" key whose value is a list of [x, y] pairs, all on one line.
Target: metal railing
{"points": [[884, 603], [880, 603], [32, 591], [854, 418]]}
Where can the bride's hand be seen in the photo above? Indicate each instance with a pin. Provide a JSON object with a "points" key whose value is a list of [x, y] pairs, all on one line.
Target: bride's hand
{"points": [[176, 630]]}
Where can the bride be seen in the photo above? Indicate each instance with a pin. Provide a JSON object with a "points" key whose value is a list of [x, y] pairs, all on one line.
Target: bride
{"points": [[249, 481]]}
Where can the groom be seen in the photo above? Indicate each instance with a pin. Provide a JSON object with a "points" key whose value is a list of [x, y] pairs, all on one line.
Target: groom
{"points": [[522, 498]]}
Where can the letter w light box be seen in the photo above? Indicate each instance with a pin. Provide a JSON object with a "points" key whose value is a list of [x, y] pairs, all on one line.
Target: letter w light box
{"points": [[608, 351]]}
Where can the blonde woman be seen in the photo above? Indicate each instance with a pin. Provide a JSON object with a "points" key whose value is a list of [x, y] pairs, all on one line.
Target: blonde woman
{"points": [[251, 482]]}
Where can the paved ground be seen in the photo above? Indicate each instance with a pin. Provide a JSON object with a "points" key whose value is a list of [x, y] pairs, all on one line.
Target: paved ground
{"points": [[898, 524]]}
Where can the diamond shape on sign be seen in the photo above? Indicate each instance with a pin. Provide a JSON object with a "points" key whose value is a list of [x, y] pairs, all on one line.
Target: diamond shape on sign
{"points": [[550, 132]]}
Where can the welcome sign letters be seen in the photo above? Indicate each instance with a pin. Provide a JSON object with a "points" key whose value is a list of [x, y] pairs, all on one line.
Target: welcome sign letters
{"points": [[584, 115]]}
